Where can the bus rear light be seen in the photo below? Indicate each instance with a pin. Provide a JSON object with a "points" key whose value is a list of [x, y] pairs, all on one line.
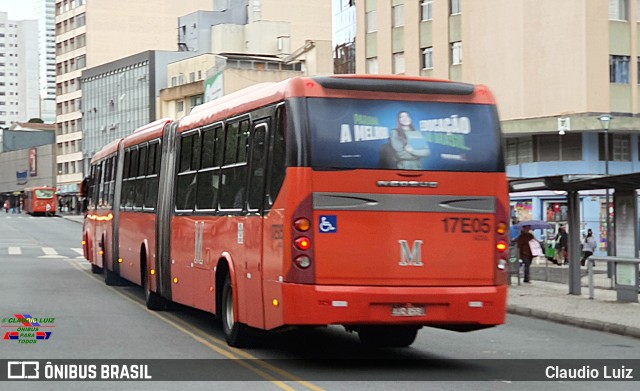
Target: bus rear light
{"points": [[310, 84], [501, 228], [502, 246], [175, 280], [152, 272], [101, 252], [119, 260], [84, 242], [303, 261], [502, 264], [303, 243], [302, 224]]}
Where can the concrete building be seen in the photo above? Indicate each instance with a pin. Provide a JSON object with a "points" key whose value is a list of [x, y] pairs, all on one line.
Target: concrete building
{"points": [[18, 70], [47, 50], [247, 43], [554, 66], [120, 96], [92, 33]]}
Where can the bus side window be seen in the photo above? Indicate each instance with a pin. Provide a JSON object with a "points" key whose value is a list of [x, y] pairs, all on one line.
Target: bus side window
{"points": [[209, 173], [277, 159], [257, 167], [234, 174], [189, 160]]}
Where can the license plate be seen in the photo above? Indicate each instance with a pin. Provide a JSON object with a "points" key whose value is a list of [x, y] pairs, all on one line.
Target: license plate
{"points": [[408, 310]]}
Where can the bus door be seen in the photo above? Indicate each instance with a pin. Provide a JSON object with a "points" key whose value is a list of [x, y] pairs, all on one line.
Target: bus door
{"points": [[253, 226]]}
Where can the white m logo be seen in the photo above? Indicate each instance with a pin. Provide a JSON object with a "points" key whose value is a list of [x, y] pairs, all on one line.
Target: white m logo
{"points": [[408, 256]]}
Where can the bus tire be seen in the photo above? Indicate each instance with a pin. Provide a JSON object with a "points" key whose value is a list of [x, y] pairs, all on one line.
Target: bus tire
{"points": [[154, 301], [110, 278], [388, 336], [95, 269], [235, 333]]}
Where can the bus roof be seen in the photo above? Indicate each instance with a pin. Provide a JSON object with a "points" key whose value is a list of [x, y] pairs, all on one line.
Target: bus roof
{"points": [[387, 87], [147, 132], [107, 150]]}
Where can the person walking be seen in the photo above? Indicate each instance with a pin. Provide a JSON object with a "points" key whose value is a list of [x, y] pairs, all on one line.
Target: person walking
{"points": [[588, 247], [525, 251], [6, 206], [562, 240]]}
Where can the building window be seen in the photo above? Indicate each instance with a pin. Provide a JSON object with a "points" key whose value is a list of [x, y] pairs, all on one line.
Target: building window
{"points": [[398, 63], [427, 58], [426, 10], [398, 15], [456, 53], [454, 6], [180, 106], [619, 147], [372, 21], [523, 147], [554, 147], [619, 69], [618, 10], [372, 65]]}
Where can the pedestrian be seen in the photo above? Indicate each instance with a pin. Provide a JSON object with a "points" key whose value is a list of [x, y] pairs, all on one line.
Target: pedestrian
{"points": [[525, 250], [588, 247], [48, 210], [6, 206], [562, 240]]}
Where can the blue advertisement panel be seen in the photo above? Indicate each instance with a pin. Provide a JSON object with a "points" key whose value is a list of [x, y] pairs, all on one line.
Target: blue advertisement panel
{"points": [[381, 134]]}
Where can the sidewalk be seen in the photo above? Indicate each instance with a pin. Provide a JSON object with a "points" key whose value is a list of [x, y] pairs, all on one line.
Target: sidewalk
{"points": [[548, 298]]}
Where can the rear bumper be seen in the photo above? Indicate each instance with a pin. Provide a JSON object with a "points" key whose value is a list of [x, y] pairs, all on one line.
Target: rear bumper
{"points": [[354, 305]]}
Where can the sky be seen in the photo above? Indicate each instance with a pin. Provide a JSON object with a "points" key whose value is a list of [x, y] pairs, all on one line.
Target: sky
{"points": [[18, 9]]}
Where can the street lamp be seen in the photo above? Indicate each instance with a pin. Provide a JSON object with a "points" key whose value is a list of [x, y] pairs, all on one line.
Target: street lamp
{"points": [[605, 120]]}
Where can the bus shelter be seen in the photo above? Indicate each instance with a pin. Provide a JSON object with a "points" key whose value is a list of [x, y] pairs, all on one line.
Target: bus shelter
{"points": [[623, 233]]}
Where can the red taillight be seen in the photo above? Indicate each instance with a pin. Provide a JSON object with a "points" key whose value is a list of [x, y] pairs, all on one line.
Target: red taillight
{"points": [[502, 246], [501, 228], [303, 243]]}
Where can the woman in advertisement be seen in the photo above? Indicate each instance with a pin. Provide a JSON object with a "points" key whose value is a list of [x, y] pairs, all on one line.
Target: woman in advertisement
{"points": [[406, 146]]}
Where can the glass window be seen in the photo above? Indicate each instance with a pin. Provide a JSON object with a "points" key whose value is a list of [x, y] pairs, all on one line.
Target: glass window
{"points": [[427, 58], [456, 53], [398, 63], [426, 10], [372, 21], [397, 15], [619, 69], [375, 134], [277, 168], [454, 6], [618, 10], [619, 147], [257, 175], [372, 65]]}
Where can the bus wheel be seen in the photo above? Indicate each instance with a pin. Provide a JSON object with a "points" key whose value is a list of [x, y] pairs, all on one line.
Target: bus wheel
{"points": [[236, 333], [154, 301], [388, 336], [95, 269]]}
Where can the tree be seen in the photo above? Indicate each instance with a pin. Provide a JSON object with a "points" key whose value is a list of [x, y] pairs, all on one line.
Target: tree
{"points": [[35, 121]]}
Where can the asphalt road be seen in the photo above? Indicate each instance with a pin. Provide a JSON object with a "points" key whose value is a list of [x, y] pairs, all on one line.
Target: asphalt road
{"points": [[43, 274]]}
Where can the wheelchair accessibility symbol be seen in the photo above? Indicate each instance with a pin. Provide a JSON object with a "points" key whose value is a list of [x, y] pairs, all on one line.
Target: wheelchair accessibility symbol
{"points": [[328, 224]]}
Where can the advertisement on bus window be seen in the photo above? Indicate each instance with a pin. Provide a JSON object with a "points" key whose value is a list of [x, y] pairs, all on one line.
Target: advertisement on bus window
{"points": [[374, 134]]}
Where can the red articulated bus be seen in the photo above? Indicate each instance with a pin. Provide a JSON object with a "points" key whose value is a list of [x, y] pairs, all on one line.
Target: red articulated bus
{"points": [[36, 199], [374, 202]]}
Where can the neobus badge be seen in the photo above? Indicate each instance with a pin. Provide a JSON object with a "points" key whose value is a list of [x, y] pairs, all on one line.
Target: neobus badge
{"points": [[411, 256], [407, 184]]}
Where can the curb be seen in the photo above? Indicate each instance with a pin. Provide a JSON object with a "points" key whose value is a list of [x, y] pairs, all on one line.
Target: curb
{"points": [[590, 324], [68, 219]]}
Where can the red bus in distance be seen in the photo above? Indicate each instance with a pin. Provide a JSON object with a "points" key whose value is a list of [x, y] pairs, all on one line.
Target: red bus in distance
{"points": [[41, 200]]}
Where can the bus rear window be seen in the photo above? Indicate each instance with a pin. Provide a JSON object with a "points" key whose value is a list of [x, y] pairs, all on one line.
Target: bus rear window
{"points": [[44, 194], [406, 135]]}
